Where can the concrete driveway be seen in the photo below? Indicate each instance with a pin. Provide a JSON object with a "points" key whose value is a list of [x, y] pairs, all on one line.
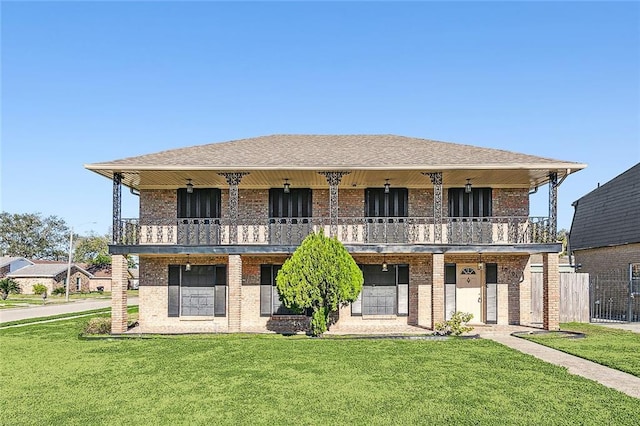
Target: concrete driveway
{"points": [[17, 314]]}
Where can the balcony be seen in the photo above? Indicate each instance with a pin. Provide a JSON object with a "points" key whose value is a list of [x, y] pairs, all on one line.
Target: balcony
{"points": [[349, 230]]}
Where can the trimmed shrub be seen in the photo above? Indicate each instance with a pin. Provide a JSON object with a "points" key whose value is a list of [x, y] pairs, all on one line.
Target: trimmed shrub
{"points": [[456, 325], [58, 291], [100, 325], [39, 289]]}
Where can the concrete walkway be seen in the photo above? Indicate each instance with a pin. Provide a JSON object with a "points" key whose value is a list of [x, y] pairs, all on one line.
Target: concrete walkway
{"points": [[623, 382], [17, 314]]}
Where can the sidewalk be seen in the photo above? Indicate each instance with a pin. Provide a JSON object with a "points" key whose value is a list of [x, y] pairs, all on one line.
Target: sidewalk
{"points": [[57, 309], [623, 382]]}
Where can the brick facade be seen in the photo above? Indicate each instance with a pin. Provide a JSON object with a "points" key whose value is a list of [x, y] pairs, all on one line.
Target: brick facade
{"points": [[426, 271], [607, 259], [550, 292], [119, 281]]}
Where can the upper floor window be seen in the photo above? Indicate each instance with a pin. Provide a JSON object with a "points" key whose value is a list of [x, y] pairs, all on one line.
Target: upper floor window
{"points": [[476, 203], [295, 203], [386, 204], [201, 203]]}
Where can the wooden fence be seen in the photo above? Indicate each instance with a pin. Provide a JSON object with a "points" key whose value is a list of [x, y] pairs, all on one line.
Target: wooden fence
{"points": [[574, 297]]}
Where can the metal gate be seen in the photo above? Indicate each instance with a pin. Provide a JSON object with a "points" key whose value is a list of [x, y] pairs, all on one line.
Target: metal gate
{"points": [[614, 296]]}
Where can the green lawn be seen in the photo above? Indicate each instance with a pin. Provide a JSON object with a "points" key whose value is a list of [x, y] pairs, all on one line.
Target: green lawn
{"points": [[27, 300], [51, 376], [615, 348]]}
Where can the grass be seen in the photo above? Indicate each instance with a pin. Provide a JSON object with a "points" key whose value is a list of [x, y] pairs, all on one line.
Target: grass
{"points": [[607, 346], [93, 312], [27, 300], [53, 377]]}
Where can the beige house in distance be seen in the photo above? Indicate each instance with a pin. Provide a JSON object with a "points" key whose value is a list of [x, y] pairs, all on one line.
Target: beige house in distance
{"points": [[436, 227], [52, 275]]}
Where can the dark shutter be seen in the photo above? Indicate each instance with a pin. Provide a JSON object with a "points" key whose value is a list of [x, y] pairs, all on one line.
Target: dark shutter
{"points": [[297, 203], [220, 299], [449, 289], [265, 290], [381, 204], [491, 271], [174, 291], [403, 290], [477, 203], [201, 203]]}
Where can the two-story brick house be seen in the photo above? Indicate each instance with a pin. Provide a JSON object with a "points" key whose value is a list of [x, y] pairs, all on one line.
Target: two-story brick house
{"points": [[435, 226]]}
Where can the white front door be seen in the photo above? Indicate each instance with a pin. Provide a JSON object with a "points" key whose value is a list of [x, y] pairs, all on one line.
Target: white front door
{"points": [[469, 291]]}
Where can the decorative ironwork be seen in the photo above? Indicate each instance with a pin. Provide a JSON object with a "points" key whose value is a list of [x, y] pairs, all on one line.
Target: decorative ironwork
{"points": [[117, 208], [333, 179], [436, 180], [553, 204], [233, 179]]}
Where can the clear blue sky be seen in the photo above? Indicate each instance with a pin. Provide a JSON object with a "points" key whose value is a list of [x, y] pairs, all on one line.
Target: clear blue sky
{"points": [[86, 82]]}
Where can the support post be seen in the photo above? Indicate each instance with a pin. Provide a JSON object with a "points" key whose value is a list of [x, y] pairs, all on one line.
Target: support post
{"points": [[553, 207], [550, 292], [117, 209], [235, 292], [233, 179], [333, 179], [437, 292], [436, 180], [119, 274]]}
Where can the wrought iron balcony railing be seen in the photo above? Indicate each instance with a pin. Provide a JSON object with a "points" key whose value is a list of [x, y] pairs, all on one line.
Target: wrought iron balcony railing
{"points": [[349, 230]]}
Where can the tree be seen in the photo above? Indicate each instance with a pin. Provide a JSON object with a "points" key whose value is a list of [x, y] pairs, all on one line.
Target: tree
{"points": [[32, 236], [7, 286], [562, 237], [321, 275], [93, 250]]}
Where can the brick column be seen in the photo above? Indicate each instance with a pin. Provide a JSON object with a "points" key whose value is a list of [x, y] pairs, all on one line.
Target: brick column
{"points": [[437, 290], [550, 292], [235, 292], [119, 275], [525, 295]]}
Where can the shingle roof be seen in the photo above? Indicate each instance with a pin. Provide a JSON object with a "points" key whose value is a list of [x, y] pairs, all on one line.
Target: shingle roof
{"points": [[608, 215], [6, 260], [331, 152], [43, 270]]}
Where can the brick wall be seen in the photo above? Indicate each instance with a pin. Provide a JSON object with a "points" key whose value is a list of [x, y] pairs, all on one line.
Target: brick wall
{"points": [[550, 292], [158, 206], [605, 259], [420, 202], [510, 202], [119, 277], [252, 203], [5, 270]]}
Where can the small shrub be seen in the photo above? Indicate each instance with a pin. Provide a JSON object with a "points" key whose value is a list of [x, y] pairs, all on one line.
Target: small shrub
{"points": [[58, 291], [39, 289], [8, 286], [456, 325], [101, 325]]}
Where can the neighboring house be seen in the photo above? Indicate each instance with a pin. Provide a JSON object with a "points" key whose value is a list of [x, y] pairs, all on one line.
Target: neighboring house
{"points": [[100, 277], [11, 264], [436, 227], [52, 275], [134, 279], [605, 232], [605, 242]]}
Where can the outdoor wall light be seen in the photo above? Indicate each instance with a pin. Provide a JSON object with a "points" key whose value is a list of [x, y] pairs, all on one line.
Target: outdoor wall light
{"points": [[385, 267], [467, 187], [287, 186], [189, 186], [386, 186], [187, 267]]}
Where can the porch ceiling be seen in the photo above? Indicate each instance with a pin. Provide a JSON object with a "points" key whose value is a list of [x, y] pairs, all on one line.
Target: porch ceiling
{"points": [[207, 178]]}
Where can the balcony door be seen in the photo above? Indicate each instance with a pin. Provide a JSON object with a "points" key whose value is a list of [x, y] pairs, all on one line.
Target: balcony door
{"points": [[289, 215], [386, 213], [198, 215]]}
